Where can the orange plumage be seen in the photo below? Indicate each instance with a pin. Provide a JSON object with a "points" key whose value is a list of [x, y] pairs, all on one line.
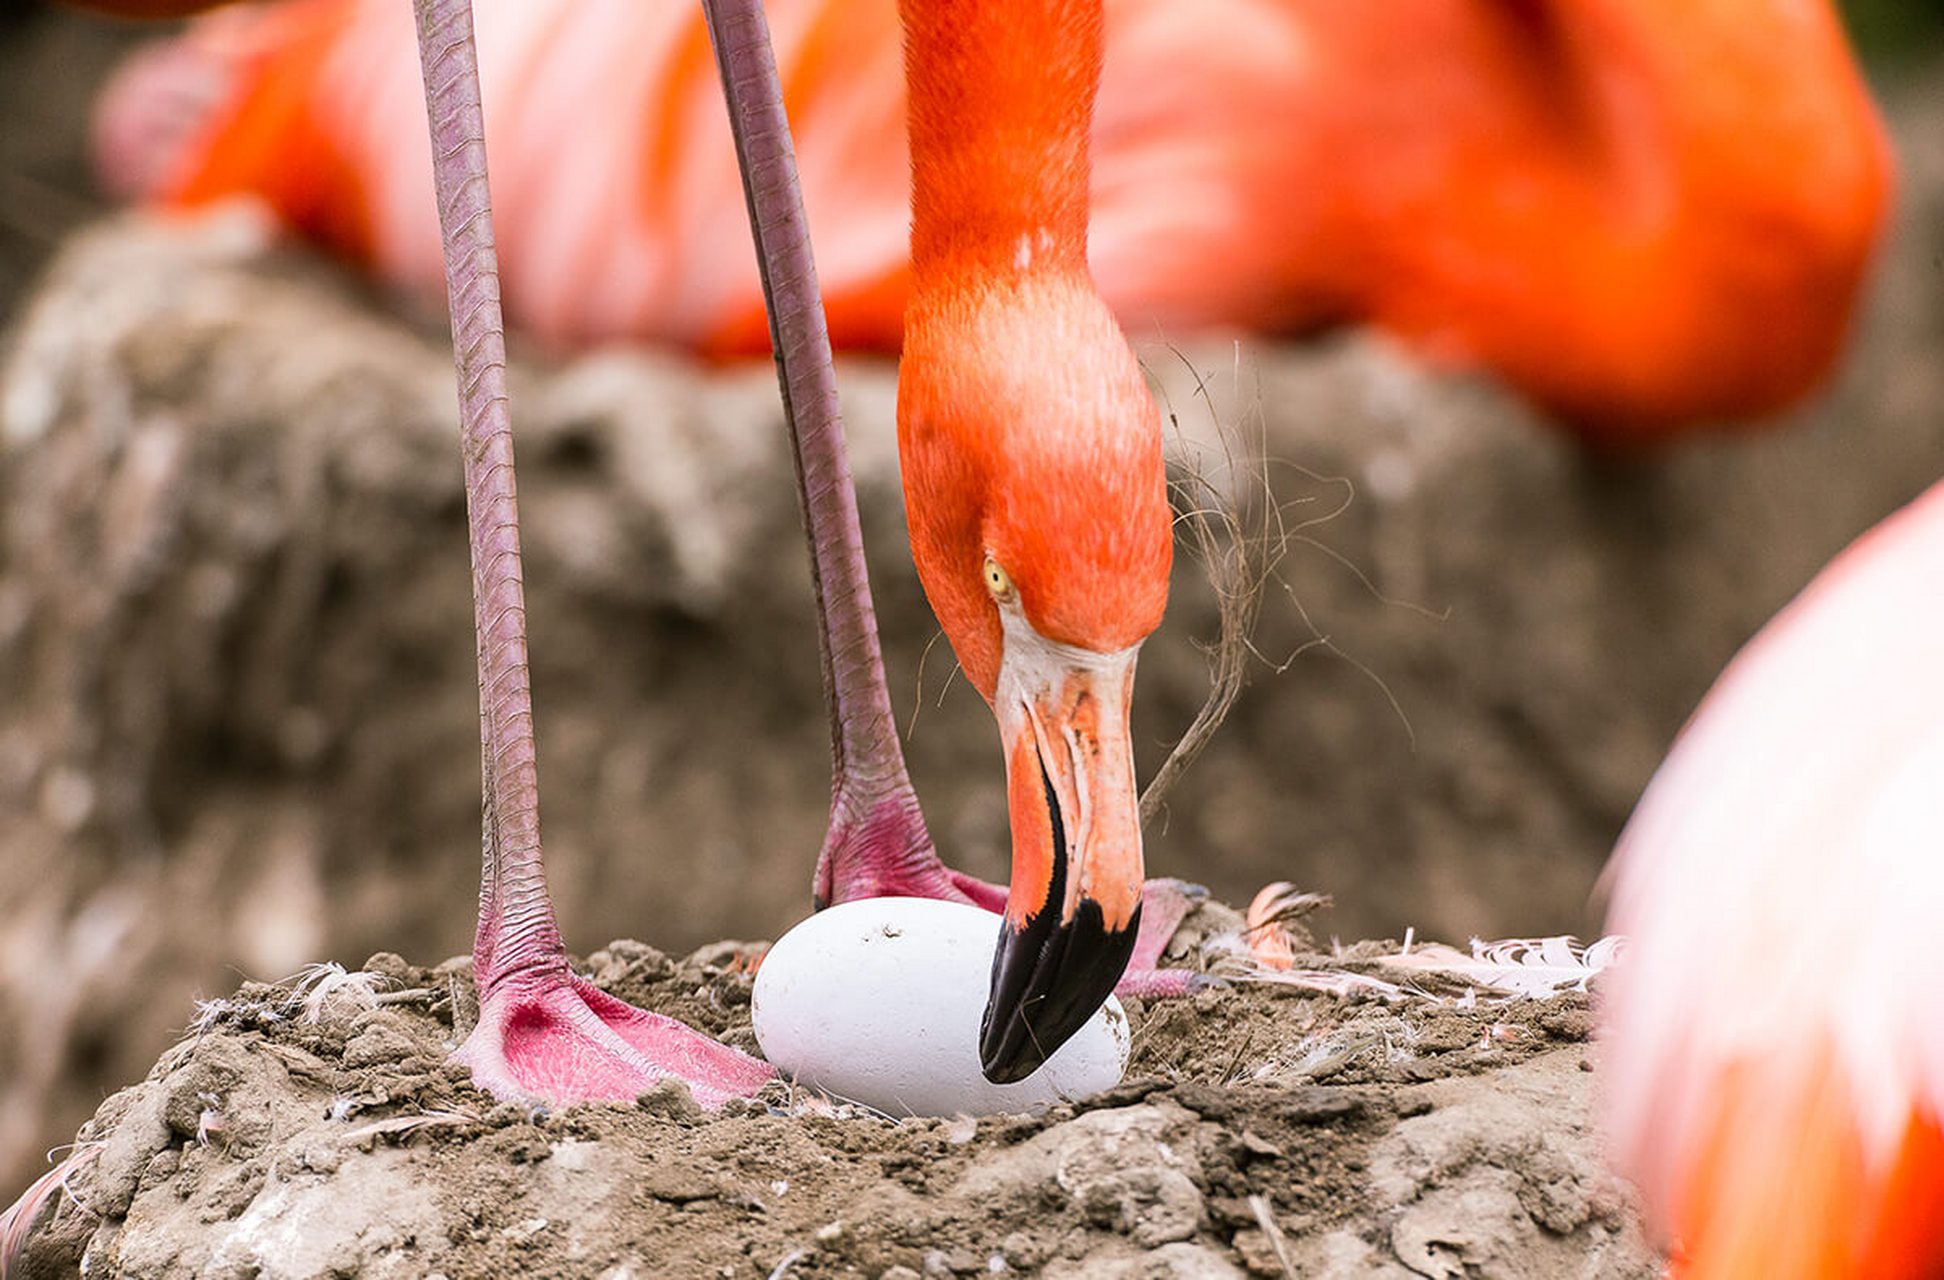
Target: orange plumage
{"points": [[1784, 1187], [1640, 212]]}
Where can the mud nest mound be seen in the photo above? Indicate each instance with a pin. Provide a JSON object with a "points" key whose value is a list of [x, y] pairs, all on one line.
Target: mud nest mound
{"points": [[318, 1129]]}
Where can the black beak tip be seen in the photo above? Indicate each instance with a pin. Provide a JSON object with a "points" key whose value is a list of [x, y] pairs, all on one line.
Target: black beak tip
{"points": [[1048, 978]]}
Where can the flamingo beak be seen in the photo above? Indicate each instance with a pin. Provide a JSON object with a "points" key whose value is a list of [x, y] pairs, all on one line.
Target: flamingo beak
{"points": [[1075, 903]]}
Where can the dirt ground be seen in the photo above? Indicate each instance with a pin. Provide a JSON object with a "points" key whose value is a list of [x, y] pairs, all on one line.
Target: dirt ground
{"points": [[1260, 1130], [237, 714]]}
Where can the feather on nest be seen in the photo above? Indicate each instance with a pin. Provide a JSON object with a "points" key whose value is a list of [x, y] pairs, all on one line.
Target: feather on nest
{"points": [[1538, 968]]}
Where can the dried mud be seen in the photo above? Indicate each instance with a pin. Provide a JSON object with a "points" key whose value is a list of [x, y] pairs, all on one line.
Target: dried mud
{"points": [[1260, 1131]]}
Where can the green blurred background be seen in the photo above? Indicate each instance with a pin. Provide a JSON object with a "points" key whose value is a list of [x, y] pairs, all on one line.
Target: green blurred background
{"points": [[1894, 31]]}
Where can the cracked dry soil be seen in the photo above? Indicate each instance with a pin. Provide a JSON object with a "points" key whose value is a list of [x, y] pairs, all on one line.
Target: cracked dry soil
{"points": [[1261, 1130]]}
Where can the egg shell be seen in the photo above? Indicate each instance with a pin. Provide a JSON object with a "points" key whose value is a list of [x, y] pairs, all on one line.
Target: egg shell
{"points": [[878, 1001]]}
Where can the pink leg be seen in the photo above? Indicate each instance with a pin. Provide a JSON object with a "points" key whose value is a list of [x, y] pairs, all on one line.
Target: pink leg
{"points": [[877, 844], [542, 1032], [1165, 903]]}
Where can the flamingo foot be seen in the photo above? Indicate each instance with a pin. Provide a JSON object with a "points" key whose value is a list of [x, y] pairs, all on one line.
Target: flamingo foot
{"points": [[1165, 903], [560, 1039]]}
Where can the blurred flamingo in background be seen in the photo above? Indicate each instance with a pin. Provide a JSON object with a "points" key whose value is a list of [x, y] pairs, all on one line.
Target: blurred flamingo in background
{"points": [[1642, 213], [1774, 1041]]}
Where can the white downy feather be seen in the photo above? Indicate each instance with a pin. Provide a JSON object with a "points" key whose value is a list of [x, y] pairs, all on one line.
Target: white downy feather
{"points": [[1535, 967]]}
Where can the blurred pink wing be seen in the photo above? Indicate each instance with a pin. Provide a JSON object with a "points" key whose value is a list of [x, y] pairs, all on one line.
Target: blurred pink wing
{"points": [[1774, 1044]]}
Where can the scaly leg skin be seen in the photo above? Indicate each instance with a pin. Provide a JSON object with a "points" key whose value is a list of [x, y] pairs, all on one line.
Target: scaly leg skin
{"points": [[543, 1033], [877, 843]]}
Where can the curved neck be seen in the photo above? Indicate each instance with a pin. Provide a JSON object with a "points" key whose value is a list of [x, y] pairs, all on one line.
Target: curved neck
{"points": [[1000, 101]]}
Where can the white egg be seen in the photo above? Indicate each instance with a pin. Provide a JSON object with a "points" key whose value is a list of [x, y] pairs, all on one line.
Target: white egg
{"points": [[878, 1001]]}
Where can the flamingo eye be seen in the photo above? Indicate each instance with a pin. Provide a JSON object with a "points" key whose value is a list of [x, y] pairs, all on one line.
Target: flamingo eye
{"points": [[997, 580]]}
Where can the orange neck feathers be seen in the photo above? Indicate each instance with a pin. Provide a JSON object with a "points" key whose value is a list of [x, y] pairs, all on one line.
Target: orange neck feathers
{"points": [[1000, 107], [1026, 431]]}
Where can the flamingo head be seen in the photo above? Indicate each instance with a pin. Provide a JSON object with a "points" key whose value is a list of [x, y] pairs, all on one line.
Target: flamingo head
{"points": [[1040, 525]]}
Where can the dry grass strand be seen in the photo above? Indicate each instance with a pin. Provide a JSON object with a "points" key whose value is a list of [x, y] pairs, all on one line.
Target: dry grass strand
{"points": [[1240, 560]]}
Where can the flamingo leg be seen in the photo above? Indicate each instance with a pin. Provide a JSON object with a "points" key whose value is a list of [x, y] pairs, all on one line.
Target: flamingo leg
{"points": [[877, 844], [542, 1033]]}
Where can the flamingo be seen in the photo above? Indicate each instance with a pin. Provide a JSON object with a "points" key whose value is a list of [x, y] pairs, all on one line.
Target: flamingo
{"points": [[1774, 1040], [1644, 214]]}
